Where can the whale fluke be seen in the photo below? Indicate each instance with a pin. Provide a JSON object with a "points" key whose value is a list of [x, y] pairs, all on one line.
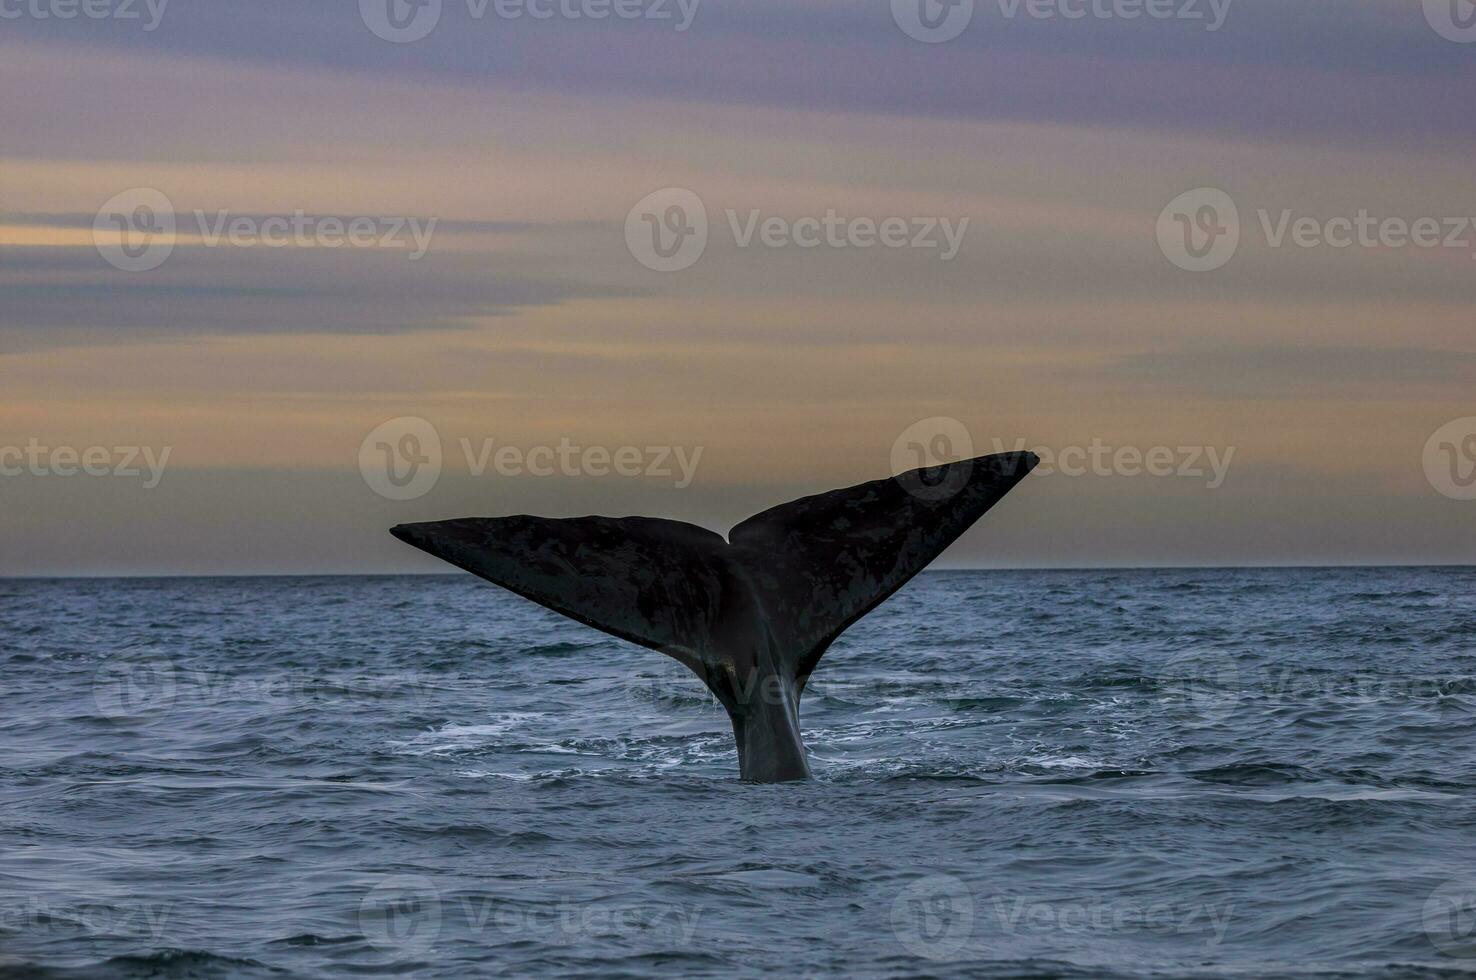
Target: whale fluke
{"points": [[752, 615]]}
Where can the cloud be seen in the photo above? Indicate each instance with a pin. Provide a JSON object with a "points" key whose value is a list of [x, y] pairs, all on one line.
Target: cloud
{"points": [[1272, 371], [68, 296], [1328, 69]]}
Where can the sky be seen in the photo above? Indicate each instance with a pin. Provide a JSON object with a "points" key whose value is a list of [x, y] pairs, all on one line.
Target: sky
{"points": [[1213, 261]]}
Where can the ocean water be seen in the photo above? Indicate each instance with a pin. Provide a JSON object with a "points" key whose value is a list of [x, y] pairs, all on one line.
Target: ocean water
{"points": [[1219, 773]]}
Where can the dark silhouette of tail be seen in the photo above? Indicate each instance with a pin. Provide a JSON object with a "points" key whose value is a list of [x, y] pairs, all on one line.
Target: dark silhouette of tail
{"points": [[752, 615]]}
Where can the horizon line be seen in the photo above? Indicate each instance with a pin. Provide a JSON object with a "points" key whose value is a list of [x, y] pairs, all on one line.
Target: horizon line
{"points": [[926, 571]]}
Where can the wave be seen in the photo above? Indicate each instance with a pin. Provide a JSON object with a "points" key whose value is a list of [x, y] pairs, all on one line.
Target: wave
{"points": [[162, 963]]}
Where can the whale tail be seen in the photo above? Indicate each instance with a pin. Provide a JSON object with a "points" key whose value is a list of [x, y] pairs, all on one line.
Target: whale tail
{"points": [[764, 604]]}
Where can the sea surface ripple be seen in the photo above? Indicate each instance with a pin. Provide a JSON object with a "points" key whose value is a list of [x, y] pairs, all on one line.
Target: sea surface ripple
{"points": [[1177, 773]]}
